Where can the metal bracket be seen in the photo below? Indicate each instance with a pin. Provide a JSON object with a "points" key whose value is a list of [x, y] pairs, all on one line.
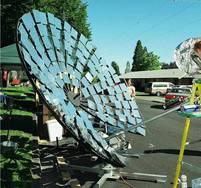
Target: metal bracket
{"points": [[110, 172]]}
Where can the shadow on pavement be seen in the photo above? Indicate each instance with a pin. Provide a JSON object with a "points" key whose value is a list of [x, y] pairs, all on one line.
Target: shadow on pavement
{"points": [[157, 106], [22, 123], [174, 151]]}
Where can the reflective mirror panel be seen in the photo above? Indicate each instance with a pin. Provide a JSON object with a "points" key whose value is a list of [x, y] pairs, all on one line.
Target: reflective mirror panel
{"points": [[76, 85]]}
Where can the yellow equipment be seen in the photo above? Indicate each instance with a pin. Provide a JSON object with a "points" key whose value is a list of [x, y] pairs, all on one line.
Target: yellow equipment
{"points": [[196, 92]]}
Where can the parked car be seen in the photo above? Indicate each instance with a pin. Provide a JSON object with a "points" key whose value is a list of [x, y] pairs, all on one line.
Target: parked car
{"points": [[158, 88], [176, 96], [183, 86]]}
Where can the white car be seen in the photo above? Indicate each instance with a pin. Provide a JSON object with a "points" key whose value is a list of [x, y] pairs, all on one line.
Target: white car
{"points": [[158, 88]]}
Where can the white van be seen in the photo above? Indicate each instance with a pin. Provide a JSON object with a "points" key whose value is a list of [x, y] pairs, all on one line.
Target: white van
{"points": [[158, 88]]}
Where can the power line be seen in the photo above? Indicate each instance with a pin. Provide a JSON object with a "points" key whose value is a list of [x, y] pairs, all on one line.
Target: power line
{"points": [[170, 31], [166, 19], [149, 14]]}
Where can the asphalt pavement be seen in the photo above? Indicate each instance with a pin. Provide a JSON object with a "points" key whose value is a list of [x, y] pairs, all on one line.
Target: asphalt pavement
{"points": [[151, 98], [160, 148]]}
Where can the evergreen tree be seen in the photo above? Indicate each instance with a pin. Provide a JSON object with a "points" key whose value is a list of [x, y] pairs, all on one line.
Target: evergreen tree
{"points": [[116, 67], [138, 57], [144, 60], [128, 67]]}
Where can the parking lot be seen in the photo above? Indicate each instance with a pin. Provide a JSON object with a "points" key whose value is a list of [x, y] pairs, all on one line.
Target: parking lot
{"points": [[151, 98], [160, 147]]}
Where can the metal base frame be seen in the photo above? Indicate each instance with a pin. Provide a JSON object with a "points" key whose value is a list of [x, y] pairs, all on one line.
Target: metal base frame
{"points": [[109, 172]]}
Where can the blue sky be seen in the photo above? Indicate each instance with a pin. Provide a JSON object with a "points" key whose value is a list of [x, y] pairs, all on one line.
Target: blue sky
{"points": [[160, 24]]}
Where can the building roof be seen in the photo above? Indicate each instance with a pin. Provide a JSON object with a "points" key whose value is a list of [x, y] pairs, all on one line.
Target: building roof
{"points": [[9, 57], [164, 73]]}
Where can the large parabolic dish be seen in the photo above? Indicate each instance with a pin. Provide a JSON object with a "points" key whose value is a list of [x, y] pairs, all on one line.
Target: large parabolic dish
{"points": [[185, 57], [74, 83]]}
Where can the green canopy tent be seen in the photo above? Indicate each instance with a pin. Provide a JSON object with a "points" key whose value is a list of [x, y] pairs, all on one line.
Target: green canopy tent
{"points": [[9, 61], [9, 58]]}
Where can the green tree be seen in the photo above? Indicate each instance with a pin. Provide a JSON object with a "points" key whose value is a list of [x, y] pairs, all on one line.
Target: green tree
{"points": [[128, 67], [116, 67], [164, 65], [144, 60], [171, 65], [73, 11], [138, 57], [11, 11], [152, 61]]}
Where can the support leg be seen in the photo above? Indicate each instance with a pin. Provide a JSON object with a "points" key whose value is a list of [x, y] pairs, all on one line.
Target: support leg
{"points": [[181, 153]]}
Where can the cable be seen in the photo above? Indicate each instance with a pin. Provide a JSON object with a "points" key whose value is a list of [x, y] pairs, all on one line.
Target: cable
{"points": [[150, 13], [165, 19], [126, 182], [193, 167], [170, 31], [147, 16]]}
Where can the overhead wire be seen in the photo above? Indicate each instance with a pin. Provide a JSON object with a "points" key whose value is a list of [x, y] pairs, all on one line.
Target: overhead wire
{"points": [[146, 16], [163, 20], [139, 20], [166, 19], [173, 30]]}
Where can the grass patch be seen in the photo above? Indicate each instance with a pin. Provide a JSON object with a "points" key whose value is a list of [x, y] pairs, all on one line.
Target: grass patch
{"points": [[15, 168], [140, 93], [15, 112], [18, 89], [21, 100], [23, 93], [16, 133]]}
